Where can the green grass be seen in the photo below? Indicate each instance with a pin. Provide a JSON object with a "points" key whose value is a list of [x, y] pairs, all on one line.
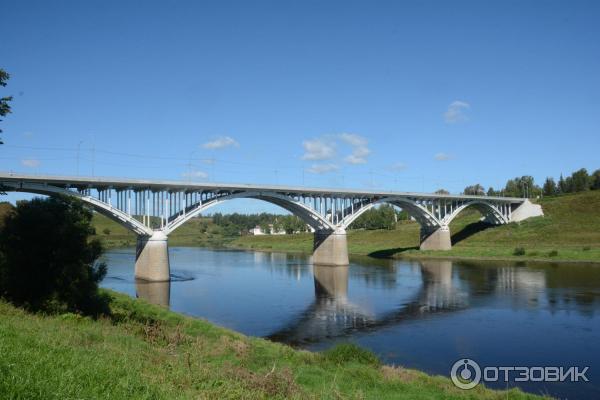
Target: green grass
{"points": [[569, 231], [147, 352]]}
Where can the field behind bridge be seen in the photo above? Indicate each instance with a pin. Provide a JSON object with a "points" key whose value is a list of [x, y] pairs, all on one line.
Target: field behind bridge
{"points": [[570, 230]]}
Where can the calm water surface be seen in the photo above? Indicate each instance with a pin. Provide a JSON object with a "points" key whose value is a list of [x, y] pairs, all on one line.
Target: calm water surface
{"points": [[419, 314]]}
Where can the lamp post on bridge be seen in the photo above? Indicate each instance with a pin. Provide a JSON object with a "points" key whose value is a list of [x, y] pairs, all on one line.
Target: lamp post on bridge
{"points": [[78, 149]]}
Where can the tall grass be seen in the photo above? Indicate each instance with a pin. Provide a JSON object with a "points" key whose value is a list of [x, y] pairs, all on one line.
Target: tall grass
{"points": [[146, 352]]}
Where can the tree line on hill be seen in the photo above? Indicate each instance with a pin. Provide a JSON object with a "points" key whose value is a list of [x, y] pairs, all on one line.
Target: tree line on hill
{"points": [[525, 186]]}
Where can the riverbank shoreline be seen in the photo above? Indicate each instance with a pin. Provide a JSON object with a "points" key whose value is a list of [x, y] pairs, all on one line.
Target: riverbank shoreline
{"points": [[410, 256], [426, 256], [147, 351]]}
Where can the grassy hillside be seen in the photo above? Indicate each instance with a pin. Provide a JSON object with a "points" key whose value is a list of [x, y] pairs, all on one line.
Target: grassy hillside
{"points": [[570, 230], [146, 352]]}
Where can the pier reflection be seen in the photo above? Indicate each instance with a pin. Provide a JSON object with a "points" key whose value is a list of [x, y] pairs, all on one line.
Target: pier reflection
{"points": [[158, 293], [332, 315]]}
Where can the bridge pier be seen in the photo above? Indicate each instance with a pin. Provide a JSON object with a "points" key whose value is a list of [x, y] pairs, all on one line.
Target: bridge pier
{"points": [[330, 248], [152, 258], [436, 239]]}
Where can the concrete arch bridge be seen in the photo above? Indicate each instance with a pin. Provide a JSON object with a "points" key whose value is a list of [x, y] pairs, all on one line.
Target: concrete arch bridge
{"points": [[139, 204]]}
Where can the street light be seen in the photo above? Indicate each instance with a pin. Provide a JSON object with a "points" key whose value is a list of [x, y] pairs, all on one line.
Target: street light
{"points": [[190, 166], [78, 149]]}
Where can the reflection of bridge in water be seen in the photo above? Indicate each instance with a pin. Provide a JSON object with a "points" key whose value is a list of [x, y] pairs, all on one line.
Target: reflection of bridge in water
{"points": [[333, 315], [442, 287]]}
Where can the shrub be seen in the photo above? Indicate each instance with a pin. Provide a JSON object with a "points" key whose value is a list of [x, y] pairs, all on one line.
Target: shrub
{"points": [[349, 352], [519, 251], [106, 231], [587, 248], [47, 261], [553, 253]]}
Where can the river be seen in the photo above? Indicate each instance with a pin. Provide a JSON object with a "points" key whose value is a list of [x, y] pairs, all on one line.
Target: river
{"points": [[419, 314]]}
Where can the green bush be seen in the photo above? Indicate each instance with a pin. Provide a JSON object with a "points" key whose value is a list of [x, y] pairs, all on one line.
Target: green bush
{"points": [[47, 262], [348, 352], [553, 253], [519, 251], [587, 248]]}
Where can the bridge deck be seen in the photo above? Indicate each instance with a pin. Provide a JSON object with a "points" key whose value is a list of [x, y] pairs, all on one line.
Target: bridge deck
{"points": [[168, 185]]}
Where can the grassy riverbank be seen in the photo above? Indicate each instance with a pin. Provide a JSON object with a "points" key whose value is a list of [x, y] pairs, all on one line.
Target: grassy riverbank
{"points": [[145, 351], [570, 231]]}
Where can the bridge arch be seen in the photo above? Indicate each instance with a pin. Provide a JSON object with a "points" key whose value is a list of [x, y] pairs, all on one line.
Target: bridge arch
{"points": [[308, 215], [489, 211], [103, 208], [423, 216]]}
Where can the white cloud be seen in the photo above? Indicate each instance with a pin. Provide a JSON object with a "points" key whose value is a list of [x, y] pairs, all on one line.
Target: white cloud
{"points": [[318, 149], [322, 168], [442, 157], [221, 142], [456, 112], [31, 162], [399, 166], [195, 174], [360, 150]]}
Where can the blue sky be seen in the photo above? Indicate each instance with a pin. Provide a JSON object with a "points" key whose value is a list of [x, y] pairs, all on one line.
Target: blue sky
{"points": [[385, 95]]}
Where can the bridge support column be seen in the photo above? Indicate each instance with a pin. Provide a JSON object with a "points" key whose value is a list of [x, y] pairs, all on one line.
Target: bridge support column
{"points": [[152, 258], [330, 248], [436, 239]]}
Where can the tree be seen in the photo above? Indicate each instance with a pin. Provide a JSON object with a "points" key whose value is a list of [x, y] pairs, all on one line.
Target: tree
{"points": [[522, 187], [47, 260], [265, 227], [492, 192], [595, 180], [580, 180], [549, 187], [562, 185], [383, 217], [442, 191], [475, 190], [4, 106]]}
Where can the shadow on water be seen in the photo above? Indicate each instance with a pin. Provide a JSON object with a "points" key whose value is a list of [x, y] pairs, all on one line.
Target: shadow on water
{"points": [[469, 230], [389, 253]]}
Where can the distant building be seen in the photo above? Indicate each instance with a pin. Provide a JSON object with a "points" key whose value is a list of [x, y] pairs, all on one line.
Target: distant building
{"points": [[257, 230]]}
